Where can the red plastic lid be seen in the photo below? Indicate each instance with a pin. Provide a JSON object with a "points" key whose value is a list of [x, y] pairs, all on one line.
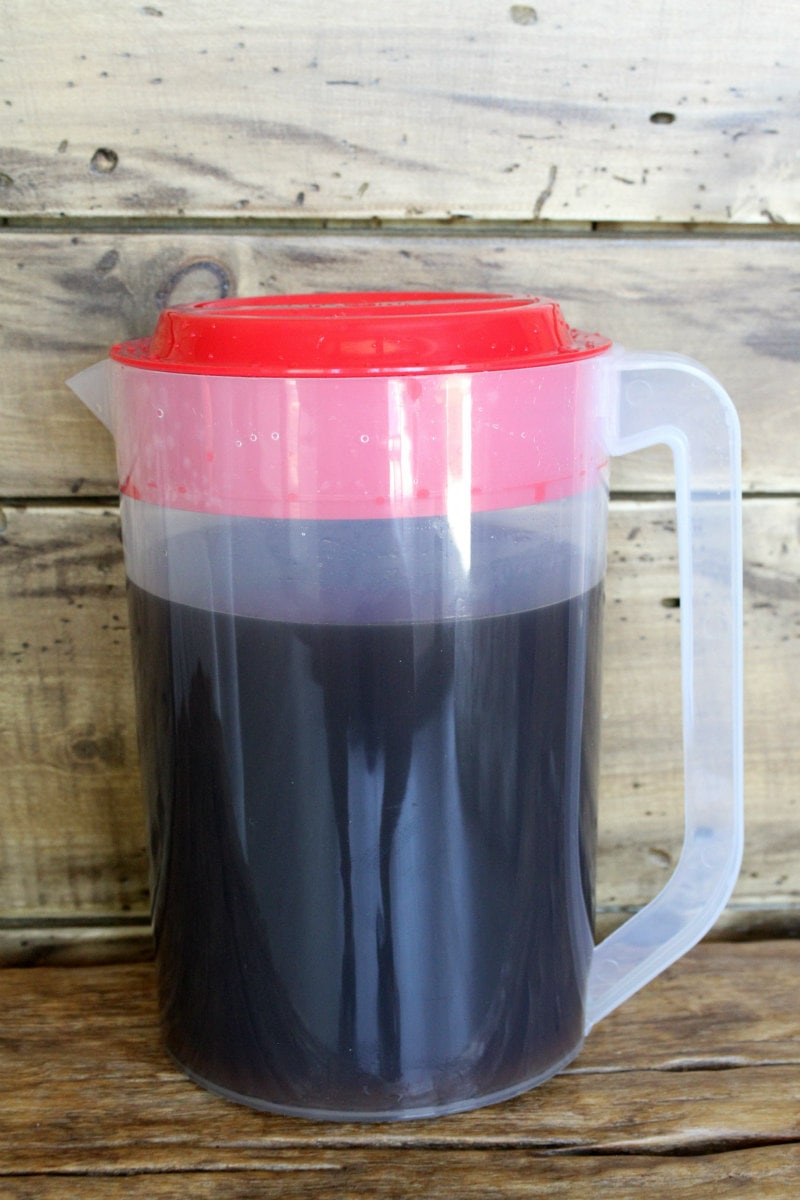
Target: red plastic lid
{"points": [[355, 334]]}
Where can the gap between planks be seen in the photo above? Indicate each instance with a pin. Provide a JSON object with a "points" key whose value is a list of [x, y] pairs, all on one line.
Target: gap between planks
{"points": [[456, 226], [71, 942]]}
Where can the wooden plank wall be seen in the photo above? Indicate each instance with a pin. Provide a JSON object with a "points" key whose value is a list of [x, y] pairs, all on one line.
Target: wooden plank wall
{"points": [[641, 164]]}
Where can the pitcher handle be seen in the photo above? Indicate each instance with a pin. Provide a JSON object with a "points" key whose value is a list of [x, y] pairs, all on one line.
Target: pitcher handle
{"points": [[665, 398]]}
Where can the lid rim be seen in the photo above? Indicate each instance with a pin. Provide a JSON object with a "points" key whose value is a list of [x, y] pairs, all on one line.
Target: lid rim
{"points": [[358, 335]]}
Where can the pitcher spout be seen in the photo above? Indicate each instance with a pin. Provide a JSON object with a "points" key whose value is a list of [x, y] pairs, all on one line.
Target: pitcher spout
{"points": [[93, 387]]}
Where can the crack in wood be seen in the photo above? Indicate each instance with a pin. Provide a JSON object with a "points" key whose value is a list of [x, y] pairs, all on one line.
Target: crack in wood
{"points": [[694, 1146], [687, 1066], [114, 1172], [700, 1147], [545, 193]]}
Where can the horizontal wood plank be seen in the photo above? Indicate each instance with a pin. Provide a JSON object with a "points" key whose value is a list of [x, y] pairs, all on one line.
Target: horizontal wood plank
{"points": [[73, 840], [57, 942], [67, 738], [766, 1173], [159, 1123], [733, 304], [693, 1084], [677, 113]]}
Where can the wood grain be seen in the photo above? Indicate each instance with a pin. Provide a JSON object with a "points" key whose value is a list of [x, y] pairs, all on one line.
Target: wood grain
{"points": [[733, 304], [73, 839], [72, 822], [678, 113], [152, 153], [694, 1083], [766, 1173]]}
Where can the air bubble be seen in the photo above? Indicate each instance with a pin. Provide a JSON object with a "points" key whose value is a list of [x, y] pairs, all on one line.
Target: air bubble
{"points": [[365, 438], [159, 413], [275, 436], [238, 443], [253, 437]]}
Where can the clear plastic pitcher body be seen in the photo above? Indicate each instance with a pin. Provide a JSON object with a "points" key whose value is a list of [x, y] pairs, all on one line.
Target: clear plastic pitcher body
{"points": [[365, 581]]}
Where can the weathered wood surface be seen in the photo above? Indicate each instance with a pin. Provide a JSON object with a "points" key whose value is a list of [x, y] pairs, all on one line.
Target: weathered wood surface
{"points": [[556, 112], [693, 1085], [67, 741], [407, 1174], [72, 842], [733, 304]]}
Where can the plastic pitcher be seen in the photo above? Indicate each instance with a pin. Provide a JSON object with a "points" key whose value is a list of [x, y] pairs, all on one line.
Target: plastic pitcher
{"points": [[365, 545]]}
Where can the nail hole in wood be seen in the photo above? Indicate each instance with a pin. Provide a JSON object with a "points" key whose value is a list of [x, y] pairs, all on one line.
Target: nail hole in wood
{"points": [[104, 161]]}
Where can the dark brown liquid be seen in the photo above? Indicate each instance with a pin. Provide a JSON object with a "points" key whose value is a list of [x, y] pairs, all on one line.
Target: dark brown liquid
{"points": [[372, 850]]}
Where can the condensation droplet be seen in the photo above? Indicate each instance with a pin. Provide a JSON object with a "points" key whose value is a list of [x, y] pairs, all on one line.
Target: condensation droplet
{"points": [[253, 437], [159, 413], [365, 438], [275, 436], [238, 443]]}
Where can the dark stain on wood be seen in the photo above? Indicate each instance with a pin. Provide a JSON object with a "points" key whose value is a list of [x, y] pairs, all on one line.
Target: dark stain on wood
{"points": [[779, 340], [191, 164], [198, 279], [95, 287], [92, 748], [159, 198], [523, 14], [56, 569], [313, 256], [263, 131], [108, 261], [771, 585]]}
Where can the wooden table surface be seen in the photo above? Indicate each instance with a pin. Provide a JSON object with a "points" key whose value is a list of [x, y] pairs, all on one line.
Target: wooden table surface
{"points": [[694, 1084]]}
